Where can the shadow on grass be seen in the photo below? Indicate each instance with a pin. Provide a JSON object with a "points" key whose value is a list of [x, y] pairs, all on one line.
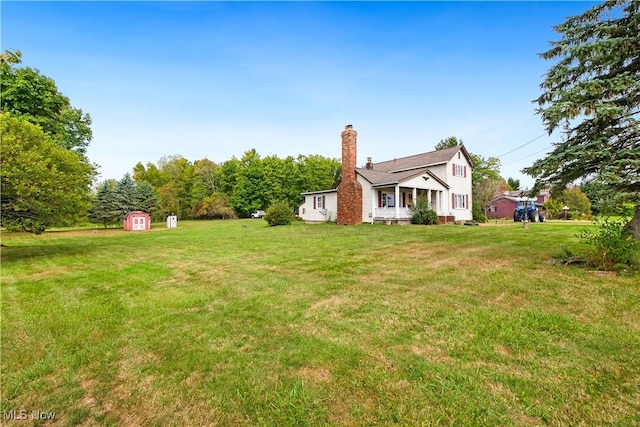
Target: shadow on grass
{"points": [[11, 253]]}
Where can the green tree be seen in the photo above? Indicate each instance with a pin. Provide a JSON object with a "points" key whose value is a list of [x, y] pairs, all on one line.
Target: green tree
{"points": [[591, 92], [449, 142], [578, 202], [214, 206], [43, 184], [150, 174], [25, 92], [316, 172], [229, 171], [146, 199], [250, 188], [487, 182], [126, 196], [175, 193], [114, 199], [513, 184], [104, 208], [554, 207], [205, 178]]}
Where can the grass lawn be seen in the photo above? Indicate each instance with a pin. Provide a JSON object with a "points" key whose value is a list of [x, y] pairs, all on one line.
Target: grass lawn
{"points": [[236, 323]]}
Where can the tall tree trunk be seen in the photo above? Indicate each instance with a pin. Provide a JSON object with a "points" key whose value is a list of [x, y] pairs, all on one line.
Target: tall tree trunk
{"points": [[634, 225]]}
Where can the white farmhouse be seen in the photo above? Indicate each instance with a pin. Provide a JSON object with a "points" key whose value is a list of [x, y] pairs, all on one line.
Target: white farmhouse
{"points": [[385, 191]]}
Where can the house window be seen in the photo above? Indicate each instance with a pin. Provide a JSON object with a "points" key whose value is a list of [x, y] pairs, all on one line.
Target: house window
{"points": [[459, 170], [460, 201], [319, 202], [493, 208], [388, 200]]}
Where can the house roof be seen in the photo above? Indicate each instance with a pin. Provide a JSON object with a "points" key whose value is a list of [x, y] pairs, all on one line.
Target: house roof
{"points": [[377, 178], [333, 190], [418, 161], [392, 172]]}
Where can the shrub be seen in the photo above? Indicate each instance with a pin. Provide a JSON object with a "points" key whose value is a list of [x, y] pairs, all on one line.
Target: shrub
{"points": [[279, 213], [422, 213], [615, 247], [479, 213]]}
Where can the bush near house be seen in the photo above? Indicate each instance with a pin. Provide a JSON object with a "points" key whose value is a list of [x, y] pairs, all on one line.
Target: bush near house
{"points": [[423, 214], [279, 213]]}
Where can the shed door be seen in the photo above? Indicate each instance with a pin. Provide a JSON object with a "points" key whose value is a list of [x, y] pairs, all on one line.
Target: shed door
{"points": [[139, 223]]}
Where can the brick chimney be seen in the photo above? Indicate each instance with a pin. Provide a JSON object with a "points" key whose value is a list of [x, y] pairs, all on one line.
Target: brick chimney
{"points": [[349, 190], [369, 163]]}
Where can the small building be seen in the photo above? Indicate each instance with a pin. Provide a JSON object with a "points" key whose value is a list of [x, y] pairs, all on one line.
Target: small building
{"points": [[137, 221], [505, 204]]}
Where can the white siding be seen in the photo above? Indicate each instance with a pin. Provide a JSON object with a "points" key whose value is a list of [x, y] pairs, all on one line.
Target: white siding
{"points": [[367, 201], [308, 213], [461, 185], [419, 182], [441, 172]]}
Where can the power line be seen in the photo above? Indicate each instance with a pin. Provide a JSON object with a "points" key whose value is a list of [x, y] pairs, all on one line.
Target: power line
{"points": [[523, 145], [530, 155]]}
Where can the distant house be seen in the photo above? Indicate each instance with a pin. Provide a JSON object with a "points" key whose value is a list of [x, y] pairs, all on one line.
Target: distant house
{"points": [[385, 191], [505, 204], [137, 221]]}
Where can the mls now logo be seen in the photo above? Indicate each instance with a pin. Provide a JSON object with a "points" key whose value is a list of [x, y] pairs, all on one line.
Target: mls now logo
{"points": [[23, 414]]}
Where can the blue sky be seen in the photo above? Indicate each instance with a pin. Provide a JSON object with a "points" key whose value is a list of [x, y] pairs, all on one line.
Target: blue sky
{"points": [[215, 79]]}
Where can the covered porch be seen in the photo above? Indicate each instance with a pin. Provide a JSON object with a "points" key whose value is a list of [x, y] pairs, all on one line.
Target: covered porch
{"points": [[392, 204]]}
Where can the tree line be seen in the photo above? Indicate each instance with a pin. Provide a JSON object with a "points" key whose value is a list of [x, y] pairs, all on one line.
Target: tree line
{"points": [[204, 189]]}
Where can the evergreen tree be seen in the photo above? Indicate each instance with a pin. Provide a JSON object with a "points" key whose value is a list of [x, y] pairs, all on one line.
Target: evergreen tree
{"points": [[593, 93], [146, 199], [126, 196], [105, 204]]}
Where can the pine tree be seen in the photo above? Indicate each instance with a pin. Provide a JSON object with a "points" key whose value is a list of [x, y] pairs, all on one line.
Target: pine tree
{"points": [[105, 204], [593, 94], [126, 196]]}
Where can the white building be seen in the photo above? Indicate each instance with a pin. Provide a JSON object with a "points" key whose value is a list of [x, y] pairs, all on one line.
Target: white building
{"points": [[390, 188]]}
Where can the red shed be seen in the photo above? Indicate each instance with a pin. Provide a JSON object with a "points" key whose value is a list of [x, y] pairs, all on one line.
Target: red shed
{"points": [[137, 221]]}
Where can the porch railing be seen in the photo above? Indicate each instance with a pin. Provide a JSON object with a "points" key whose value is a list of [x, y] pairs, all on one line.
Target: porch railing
{"points": [[390, 213]]}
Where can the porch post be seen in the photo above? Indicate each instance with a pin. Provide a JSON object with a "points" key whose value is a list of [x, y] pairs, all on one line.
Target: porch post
{"points": [[414, 195], [397, 201], [374, 204], [429, 199]]}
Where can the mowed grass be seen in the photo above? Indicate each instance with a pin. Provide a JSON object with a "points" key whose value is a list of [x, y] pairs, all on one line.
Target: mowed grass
{"points": [[237, 323]]}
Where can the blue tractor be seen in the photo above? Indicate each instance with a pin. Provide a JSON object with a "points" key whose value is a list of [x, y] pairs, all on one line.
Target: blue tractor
{"points": [[527, 209]]}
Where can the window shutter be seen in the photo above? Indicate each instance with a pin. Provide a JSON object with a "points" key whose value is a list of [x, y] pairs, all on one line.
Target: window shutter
{"points": [[314, 202], [467, 197], [453, 169], [379, 198], [465, 171], [453, 201], [324, 205]]}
